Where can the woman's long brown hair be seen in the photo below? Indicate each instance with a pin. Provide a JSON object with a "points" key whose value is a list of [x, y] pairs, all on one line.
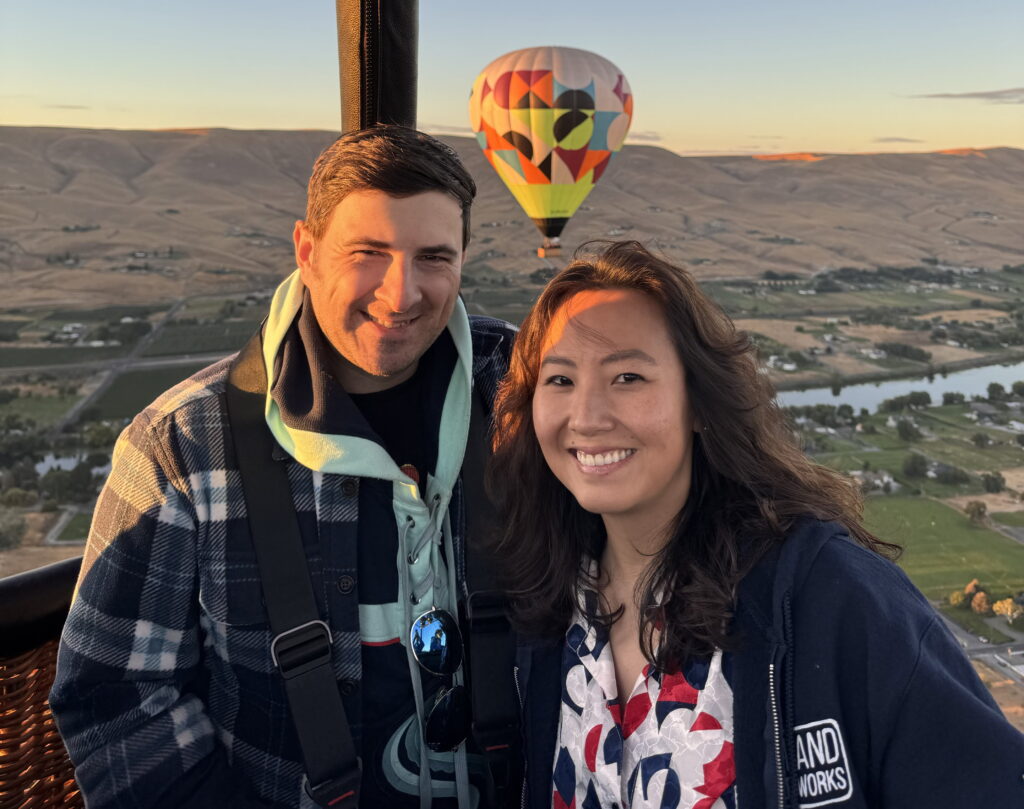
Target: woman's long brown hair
{"points": [[750, 479]]}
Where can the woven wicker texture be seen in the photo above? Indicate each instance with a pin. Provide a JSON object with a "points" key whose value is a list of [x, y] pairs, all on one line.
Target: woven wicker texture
{"points": [[34, 768]]}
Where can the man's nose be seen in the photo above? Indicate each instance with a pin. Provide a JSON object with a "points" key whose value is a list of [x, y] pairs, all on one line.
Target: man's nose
{"points": [[591, 410], [399, 289]]}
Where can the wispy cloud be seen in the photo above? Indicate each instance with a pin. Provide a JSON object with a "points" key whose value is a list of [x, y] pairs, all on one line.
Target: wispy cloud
{"points": [[1015, 95], [648, 136], [897, 139], [445, 129], [65, 107]]}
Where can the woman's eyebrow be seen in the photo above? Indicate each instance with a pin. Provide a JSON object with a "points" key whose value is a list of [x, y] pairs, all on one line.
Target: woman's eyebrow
{"points": [[554, 359], [629, 354]]}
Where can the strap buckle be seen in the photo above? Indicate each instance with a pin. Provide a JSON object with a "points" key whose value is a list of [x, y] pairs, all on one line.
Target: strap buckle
{"points": [[487, 611], [341, 792], [301, 649]]}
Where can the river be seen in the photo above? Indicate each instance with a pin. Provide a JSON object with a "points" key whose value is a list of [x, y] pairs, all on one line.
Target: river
{"points": [[971, 382]]}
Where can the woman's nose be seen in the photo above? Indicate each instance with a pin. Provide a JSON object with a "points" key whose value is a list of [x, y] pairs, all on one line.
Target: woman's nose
{"points": [[591, 411]]}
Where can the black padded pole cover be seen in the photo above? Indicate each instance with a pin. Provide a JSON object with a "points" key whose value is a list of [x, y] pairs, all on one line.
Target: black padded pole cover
{"points": [[377, 50]]}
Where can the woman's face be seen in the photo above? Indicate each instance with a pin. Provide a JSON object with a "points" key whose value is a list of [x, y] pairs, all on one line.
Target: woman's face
{"points": [[610, 409]]}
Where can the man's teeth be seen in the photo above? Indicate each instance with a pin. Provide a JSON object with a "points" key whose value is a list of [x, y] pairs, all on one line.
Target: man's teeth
{"points": [[392, 324], [603, 458]]}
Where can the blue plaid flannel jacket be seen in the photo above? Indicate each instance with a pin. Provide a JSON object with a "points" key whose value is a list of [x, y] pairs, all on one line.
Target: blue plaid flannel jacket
{"points": [[164, 674]]}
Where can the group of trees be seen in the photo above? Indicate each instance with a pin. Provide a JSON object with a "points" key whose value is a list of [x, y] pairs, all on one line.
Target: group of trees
{"points": [[906, 351], [914, 399], [974, 597]]}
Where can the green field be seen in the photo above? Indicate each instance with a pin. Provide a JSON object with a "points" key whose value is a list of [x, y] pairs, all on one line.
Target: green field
{"points": [[1012, 518], [101, 315], [974, 623], [134, 390], [59, 355], [176, 340], [77, 528], [44, 409], [943, 551]]}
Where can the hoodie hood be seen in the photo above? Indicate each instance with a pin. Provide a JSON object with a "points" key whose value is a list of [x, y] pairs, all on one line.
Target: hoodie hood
{"points": [[358, 455]]}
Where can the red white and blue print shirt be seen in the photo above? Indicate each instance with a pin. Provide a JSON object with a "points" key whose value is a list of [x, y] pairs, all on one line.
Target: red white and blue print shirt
{"points": [[672, 746]]}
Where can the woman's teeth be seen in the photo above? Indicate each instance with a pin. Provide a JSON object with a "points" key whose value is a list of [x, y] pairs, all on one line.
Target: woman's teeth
{"points": [[603, 458]]}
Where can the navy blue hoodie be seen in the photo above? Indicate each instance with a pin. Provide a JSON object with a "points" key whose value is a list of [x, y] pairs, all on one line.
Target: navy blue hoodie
{"points": [[849, 691]]}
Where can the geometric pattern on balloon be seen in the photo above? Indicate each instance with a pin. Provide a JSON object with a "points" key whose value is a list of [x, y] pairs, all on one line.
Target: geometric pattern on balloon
{"points": [[565, 111]]}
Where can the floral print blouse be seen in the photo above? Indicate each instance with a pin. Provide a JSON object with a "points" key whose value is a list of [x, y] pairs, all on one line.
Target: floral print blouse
{"points": [[672, 746]]}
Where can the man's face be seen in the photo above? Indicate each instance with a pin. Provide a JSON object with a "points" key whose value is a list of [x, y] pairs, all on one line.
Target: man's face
{"points": [[383, 281]]}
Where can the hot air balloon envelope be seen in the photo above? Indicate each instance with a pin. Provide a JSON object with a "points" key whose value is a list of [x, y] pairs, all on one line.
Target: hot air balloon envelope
{"points": [[548, 120]]}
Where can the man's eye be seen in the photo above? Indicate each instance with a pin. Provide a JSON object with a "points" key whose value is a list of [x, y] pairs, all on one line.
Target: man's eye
{"points": [[629, 378], [558, 380], [433, 259]]}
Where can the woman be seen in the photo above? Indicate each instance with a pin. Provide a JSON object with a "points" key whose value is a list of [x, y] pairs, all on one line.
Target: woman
{"points": [[714, 624]]}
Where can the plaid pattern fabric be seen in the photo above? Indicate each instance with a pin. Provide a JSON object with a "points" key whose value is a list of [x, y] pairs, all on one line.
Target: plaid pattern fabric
{"points": [[165, 658]]}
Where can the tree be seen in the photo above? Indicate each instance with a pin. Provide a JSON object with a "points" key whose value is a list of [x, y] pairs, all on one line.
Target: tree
{"points": [[12, 528], [96, 459], [1018, 388], [18, 498], [907, 431], [972, 587], [957, 599], [1020, 439], [976, 510], [993, 482], [915, 465], [981, 440], [951, 475], [952, 398], [1008, 609], [996, 392], [99, 435], [979, 603]]}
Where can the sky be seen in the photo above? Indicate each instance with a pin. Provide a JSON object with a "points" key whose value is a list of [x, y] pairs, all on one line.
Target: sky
{"points": [[708, 77]]}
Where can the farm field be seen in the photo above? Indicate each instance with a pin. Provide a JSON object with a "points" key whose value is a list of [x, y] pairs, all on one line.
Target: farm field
{"points": [[58, 355], [943, 551], [134, 390], [177, 340], [45, 410], [77, 528]]}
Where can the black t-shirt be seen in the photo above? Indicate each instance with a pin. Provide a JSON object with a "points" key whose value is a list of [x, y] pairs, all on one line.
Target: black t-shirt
{"points": [[396, 416]]}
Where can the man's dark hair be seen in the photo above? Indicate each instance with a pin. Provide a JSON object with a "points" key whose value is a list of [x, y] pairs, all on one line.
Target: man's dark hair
{"points": [[394, 159]]}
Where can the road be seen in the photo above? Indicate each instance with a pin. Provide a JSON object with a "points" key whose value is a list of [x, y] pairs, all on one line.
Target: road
{"points": [[999, 656]]}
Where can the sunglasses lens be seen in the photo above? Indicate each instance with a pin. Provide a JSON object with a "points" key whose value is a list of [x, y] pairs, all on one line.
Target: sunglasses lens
{"points": [[436, 642], [448, 723]]}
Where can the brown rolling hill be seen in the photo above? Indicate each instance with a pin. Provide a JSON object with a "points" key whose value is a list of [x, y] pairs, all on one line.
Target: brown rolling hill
{"points": [[92, 217]]}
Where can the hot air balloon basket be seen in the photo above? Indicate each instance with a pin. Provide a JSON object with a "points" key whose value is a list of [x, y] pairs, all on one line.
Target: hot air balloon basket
{"points": [[35, 771]]}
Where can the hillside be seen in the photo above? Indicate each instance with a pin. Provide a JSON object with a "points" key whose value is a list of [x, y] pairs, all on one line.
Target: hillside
{"points": [[91, 217]]}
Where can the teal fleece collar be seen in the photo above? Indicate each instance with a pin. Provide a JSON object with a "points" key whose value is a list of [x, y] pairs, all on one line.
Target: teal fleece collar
{"points": [[352, 455]]}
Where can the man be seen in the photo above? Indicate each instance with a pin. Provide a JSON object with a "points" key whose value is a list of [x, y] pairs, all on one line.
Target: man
{"points": [[166, 692]]}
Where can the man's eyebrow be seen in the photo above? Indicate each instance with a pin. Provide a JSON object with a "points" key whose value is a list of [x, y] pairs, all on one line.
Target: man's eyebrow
{"points": [[629, 354], [440, 249], [431, 249]]}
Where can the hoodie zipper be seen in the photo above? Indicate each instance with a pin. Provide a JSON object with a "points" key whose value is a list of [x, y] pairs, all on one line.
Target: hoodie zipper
{"points": [[778, 742], [519, 695]]}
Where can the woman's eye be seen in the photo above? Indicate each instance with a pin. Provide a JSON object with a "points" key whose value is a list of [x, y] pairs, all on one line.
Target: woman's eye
{"points": [[558, 380], [628, 378]]}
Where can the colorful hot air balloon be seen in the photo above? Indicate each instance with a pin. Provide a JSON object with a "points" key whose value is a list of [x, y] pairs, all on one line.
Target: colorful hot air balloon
{"points": [[548, 120]]}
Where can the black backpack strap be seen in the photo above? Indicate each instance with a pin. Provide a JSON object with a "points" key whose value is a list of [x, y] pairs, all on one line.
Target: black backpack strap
{"points": [[490, 640], [302, 641]]}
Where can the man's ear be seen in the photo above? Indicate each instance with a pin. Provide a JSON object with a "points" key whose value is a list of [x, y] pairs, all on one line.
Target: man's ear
{"points": [[304, 245]]}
